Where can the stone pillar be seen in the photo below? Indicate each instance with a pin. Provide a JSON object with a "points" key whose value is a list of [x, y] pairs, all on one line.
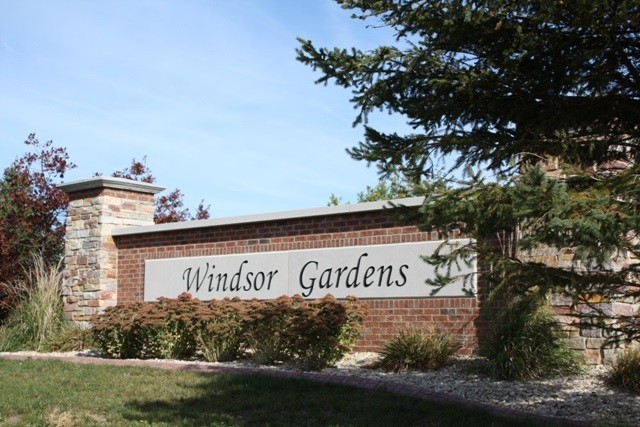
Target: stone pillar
{"points": [[96, 207], [586, 329]]}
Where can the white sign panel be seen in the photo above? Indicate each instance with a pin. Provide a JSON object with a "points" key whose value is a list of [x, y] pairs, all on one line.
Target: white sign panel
{"points": [[376, 271]]}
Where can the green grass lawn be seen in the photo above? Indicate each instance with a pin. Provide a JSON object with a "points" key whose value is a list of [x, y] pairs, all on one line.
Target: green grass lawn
{"points": [[65, 394]]}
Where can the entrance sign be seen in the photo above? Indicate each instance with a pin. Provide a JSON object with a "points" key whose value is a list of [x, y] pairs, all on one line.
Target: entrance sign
{"points": [[375, 271]]}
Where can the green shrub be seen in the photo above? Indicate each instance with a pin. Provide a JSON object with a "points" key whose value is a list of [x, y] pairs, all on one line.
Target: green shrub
{"points": [[415, 350], [38, 318], [527, 342], [625, 371]]}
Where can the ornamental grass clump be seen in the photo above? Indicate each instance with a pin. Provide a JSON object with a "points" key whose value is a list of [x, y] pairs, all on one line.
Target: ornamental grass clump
{"points": [[72, 338], [527, 342], [38, 319], [625, 371], [415, 350]]}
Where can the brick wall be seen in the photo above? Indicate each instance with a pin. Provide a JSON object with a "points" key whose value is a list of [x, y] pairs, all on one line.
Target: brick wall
{"points": [[386, 316], [110, 235]]}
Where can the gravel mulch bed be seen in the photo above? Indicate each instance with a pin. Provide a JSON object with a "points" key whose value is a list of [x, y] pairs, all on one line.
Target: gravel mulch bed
{"points": [[579, 400]]}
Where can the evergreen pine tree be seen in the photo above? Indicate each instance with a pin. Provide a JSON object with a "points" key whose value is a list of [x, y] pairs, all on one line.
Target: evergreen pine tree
{"points": [[507, 86]]}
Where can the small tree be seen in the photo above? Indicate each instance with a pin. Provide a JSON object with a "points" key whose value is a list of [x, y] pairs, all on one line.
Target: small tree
{"points": [[392, 186], [32, 212], [168, 208], [387, 189]]}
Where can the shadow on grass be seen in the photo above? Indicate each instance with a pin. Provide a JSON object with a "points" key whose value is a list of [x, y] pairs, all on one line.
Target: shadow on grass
{"points": [[67, 394], [263, 400]]}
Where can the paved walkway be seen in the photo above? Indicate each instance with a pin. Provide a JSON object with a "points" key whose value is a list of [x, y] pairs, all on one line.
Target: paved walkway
{"points": [[330, 378]]}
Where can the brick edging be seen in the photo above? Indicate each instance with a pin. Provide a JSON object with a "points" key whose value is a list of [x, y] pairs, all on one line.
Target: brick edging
{"points": [[390, 386]]}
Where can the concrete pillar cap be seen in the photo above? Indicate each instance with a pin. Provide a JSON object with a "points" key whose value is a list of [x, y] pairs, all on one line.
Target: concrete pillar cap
{"points": [[110, 182]]}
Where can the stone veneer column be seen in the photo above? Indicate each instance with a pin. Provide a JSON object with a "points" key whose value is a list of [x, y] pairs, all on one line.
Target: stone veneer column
{"points": [[588, 337], [96, 207]]}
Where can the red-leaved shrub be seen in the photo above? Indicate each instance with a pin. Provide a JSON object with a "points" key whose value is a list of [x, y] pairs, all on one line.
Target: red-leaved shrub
{"points": [[311, 334]]}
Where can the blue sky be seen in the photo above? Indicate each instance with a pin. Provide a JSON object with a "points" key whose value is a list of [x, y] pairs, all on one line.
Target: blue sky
{"points": [[209, 91]]}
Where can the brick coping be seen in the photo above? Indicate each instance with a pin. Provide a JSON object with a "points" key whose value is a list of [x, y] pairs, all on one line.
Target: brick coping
{"points": [[382, 385]]}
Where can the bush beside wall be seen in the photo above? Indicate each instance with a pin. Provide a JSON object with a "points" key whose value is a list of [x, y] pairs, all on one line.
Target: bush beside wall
{"points": [[311, 334], [526, 342]]}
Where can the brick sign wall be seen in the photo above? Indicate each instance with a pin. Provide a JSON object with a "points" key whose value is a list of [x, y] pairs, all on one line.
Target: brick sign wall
{"points": [[332, 228], [386, 316]]}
